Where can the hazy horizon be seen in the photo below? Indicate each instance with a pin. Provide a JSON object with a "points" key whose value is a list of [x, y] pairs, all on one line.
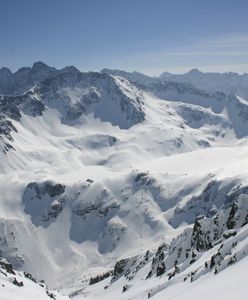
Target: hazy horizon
{"points": [[187, 70]]}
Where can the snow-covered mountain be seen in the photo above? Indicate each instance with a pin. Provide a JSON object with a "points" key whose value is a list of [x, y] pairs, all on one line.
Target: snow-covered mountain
{"points": [[195, 256], [23, 79], [122, 187], [135, 77], [229, 83]]}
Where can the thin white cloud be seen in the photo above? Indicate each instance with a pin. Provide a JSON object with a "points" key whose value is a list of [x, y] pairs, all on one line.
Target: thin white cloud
{"points": [[224, 53], [233, 45], [237, 40], [193, 53]]}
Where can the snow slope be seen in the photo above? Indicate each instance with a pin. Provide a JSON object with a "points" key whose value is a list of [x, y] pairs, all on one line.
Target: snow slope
{"points": [[196, 255], [23, 286], [228, 285], [93, 169]]}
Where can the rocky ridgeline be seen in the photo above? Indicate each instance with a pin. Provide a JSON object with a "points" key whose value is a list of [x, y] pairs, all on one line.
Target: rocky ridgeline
{"points": [[111, 98], [214, 195], [92, 207], [230, 83], [195, 98], [74, 94], [221, 239], [11, 108], [23, 79]]}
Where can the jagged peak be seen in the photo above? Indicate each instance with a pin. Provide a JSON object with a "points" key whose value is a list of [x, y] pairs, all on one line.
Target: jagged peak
{"points": [[70, 69], [39, 65], [5, 71]]}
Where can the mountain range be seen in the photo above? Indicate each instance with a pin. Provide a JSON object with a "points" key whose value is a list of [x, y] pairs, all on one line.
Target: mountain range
{"points": [[118, 185]]}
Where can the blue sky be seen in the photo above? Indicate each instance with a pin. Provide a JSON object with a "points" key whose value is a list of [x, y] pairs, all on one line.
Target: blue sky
{"points": [[144, 35]]}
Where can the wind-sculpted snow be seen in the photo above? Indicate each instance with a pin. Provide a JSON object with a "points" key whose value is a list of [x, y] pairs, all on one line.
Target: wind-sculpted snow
{"points": [[91, 207], [74, 95], [43, 202], [194, 80], [134, 183], [11, 108], [77, 96], [102, 217], [225, 109], [213, 196], [211, 246], [109, 99]]}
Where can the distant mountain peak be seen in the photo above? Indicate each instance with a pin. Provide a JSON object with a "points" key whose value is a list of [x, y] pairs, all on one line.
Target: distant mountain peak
{"points": [[70, 69], [5, 70], [195, 71], [39, 64]]}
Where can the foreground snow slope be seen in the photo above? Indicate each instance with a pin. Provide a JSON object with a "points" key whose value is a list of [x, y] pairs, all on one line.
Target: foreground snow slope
{"points": [[227, 285], [21, 285], [196, 255], [93, 169]]}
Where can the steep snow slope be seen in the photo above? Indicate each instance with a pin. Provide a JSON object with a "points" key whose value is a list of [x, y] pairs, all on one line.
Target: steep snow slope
{"points": [[215, 243], [228, 284], [213, 273], [21, 285], [97, 169], [74, 95], [134, 77], [89, 212], [91, 223], [218, 102]]}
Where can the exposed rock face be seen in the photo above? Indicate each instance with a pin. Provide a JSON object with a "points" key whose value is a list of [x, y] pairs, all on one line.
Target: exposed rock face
{"points": [[131, 203], [218, 100], [93, 211], [19, 82], [111, 99], [129, 267], [81, 93], [75, 94], [208, 232], [175, 259], [43, 201], [229, 83], [214, 196], [11, 108]]}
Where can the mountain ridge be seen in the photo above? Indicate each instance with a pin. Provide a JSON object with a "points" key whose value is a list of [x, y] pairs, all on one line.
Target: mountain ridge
{"points": [[103, 176]]}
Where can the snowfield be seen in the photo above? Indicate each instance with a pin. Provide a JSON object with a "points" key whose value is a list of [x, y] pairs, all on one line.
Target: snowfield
{"points": [[229, 284], [111, 189]]}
